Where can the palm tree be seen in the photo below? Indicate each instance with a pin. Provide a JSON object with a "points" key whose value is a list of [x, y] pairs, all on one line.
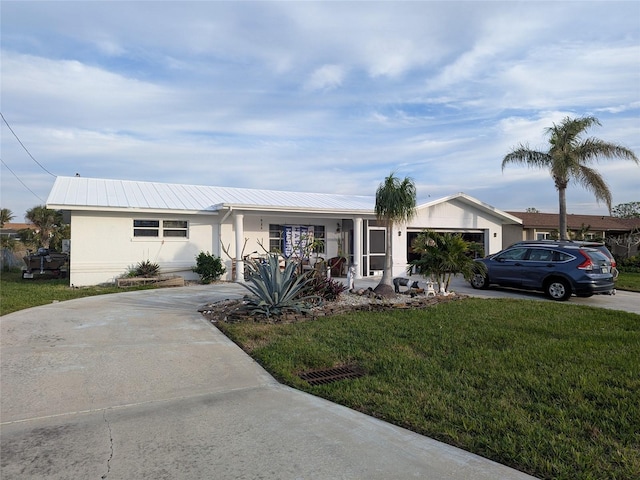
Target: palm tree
{"points": [[443, 255], [395, 203], [568, 159], [6, 216], [46, 221]]}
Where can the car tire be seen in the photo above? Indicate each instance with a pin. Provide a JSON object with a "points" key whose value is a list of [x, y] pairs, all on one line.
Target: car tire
{"points": [[558, 289], [479, 281]]}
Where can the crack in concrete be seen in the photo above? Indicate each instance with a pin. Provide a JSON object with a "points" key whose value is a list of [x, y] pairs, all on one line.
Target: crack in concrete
{"points": [[104, 416]]}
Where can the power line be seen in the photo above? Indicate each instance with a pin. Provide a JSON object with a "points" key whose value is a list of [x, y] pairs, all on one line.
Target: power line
{"points": [[25, 148], [23, 184]]}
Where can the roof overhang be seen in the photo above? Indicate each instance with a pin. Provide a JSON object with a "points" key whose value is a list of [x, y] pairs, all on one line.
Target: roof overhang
{"points": [[164, 211]]}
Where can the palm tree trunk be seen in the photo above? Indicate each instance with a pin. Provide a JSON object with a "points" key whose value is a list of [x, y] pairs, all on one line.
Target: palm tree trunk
{"points": [[387, 274], [562, 199], [385, 288]]}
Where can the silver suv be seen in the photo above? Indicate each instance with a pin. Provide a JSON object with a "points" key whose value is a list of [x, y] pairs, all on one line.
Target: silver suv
{"points": [[556, 268]]}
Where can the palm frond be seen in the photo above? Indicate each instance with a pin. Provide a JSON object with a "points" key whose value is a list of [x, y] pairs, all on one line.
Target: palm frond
{"points": [[522, 155], [591, 180]]}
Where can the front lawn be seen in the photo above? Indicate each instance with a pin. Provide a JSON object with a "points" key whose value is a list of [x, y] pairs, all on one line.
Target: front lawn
{"points": [[18, 294], [628, 281], [549, 389]]}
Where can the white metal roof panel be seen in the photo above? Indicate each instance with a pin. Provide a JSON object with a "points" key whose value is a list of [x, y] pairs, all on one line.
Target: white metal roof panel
{"points": [[82, 192]]}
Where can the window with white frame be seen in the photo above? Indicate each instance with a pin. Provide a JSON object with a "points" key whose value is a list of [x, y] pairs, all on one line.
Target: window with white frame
{"points": [[543, 236], [175, 228], [155, 228], [278, 236], [146, 228]]}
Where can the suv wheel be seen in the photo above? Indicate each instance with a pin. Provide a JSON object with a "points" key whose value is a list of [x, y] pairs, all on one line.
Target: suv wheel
{"points": [[558, 289], [479, 281]]}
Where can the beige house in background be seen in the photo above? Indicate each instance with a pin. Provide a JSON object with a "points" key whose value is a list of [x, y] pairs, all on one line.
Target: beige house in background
{"points": [[116, 224], [542, 226]]}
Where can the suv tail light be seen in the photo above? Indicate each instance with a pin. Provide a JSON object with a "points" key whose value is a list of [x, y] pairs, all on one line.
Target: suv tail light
{"points": [[587, 264]]}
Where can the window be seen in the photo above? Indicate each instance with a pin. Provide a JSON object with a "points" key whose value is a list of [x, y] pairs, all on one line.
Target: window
{"points": [[541, 255], [543, 236], [174, 228], [512, 254], [146, 228], [151, 228], [563, 257], [279, 242], [275, 238], [318, 235]]}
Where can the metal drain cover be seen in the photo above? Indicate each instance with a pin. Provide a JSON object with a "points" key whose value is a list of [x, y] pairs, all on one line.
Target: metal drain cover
{"points": [[329, 375]]}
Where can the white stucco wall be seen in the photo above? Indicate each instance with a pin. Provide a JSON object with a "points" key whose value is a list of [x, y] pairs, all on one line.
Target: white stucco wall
{"points": [[458, 215], [103, 246]]}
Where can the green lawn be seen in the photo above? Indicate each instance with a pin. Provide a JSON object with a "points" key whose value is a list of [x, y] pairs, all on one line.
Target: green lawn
{"points": [[549, 389], [628, 281], [18, 294]]}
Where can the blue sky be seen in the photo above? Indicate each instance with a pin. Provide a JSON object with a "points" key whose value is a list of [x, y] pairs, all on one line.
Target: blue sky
{"points": [[315, 96]]}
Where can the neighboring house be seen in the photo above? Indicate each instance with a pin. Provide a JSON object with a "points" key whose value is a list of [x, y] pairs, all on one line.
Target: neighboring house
{"points": [[116, 224], [11, 229], [541, 226]]}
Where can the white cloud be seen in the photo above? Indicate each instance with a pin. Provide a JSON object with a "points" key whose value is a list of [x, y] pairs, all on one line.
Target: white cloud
{"points": [[325, 78]]}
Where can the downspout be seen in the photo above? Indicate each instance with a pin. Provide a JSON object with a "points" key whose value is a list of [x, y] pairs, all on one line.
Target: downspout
{"points": [[226, 215]]}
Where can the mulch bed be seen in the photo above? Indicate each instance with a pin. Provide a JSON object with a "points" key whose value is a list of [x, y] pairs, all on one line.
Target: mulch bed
{"points": [[231, 311]]}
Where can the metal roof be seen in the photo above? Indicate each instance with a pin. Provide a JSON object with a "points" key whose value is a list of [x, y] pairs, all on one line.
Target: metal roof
{"points": [[81, 193]]}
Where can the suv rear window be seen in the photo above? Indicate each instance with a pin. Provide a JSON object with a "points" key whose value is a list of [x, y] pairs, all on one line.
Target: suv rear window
{"points": [[563, 257]]}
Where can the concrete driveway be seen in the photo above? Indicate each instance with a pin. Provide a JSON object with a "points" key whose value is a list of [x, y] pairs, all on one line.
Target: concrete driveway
{"points": [[139, 385], [625, 301]]}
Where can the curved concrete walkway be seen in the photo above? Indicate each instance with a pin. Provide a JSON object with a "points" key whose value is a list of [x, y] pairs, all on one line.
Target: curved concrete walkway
{"points": [[139, 385]]}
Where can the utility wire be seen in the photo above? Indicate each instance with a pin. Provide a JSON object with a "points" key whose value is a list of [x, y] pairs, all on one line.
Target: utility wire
{"points": [[36, 195], [25, 148]]}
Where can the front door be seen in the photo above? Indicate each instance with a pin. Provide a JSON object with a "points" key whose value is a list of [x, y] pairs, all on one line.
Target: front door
{"points": [[376, 250]]}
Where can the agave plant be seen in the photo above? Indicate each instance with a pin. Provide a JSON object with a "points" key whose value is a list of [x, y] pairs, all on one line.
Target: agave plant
{"points": [[147, 269], [276, 290]]}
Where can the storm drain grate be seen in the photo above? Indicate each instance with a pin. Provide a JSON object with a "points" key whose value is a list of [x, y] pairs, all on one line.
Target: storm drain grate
{"points": [[329, 375]]}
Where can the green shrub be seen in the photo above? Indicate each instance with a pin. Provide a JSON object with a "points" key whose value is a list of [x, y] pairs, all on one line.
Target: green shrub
{"points": [[630, 265], [209, 267]]}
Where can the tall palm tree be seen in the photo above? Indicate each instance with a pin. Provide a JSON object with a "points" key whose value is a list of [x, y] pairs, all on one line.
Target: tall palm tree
{"points": [[568, 159], [395, 203]]}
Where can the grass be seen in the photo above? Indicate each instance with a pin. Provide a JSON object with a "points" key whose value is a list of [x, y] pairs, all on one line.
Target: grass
{"points": [[549, 389], [18, 294], [628, 281]]}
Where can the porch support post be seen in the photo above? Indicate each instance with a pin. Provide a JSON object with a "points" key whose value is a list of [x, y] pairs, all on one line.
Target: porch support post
{"points": [[357, 246], [238, 220]]}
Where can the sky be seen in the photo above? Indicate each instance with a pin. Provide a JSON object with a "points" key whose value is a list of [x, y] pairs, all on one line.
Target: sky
{"points": [[307, 96]]}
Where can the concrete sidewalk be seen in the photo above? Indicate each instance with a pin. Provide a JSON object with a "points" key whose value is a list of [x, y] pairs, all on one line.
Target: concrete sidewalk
{"points": [[139, 385]]}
